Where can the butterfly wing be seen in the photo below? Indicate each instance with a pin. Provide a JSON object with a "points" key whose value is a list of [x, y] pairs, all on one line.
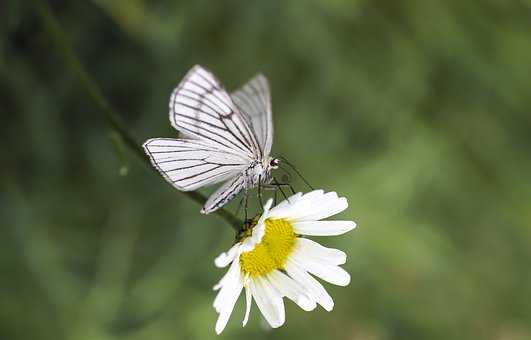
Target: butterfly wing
{"points": [[223, 141], [189, 164], [200, 108], [224, 194], [254, 99]]}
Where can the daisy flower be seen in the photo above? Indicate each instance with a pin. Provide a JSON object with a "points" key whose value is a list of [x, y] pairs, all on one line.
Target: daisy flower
{"points": [[272, 260]]}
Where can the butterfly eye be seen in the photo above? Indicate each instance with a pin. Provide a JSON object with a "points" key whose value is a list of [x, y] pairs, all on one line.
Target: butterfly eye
{"points": [[274, 163]]}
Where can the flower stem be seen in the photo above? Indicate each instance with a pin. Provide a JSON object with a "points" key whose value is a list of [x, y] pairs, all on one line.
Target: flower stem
{"points": [[116, 124]]}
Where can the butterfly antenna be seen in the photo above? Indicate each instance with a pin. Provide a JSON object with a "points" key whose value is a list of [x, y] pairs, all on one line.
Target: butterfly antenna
{"points": [[297, 172]]}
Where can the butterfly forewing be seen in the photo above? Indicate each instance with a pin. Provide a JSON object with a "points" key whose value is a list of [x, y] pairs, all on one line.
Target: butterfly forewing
{"points": [[200, 108]]}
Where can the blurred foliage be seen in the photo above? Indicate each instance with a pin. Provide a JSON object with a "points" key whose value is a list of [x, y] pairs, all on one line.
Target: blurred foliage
{"points": [[417, 111]]}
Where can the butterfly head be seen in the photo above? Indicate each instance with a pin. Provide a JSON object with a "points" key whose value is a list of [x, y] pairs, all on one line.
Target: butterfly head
{"points": [[274, 163]]}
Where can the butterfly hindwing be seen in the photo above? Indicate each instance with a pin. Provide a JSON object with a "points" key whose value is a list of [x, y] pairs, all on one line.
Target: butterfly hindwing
{"points": [[224, 194], [254, 99], [190, 164]]}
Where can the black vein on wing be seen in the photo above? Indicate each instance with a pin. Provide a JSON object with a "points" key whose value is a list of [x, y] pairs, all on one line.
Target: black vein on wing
{"points": [[205, 130], [247, 97], [210, 90], [205, 102], [220, 89], [223, 197], [216, 85], [259, 95], [219, 110], [192, 148], [220, 174], [196, 174], [203, 164], [249, 131], [249, 143]]}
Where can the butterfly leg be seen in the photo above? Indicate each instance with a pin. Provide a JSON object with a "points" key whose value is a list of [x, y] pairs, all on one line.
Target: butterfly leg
{"points": [[275, 185], [260, 193], [278, 186], [285, 184], [283, 193], [245, 196], [290, 187]]}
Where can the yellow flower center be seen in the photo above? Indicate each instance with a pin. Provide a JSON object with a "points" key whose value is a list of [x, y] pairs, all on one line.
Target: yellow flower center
{"points": [[271, 253]]}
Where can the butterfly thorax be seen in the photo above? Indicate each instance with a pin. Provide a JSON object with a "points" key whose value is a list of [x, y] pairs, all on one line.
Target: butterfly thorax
{"points": [[259, 171]]}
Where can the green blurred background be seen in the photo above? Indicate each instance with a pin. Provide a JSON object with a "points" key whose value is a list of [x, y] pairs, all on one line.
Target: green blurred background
{"points": [[416, 111]]}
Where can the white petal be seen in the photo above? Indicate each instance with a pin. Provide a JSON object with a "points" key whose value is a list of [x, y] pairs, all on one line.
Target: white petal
{"points": [[225, 277], [322, 269], [230, 279], [323, 208], [226, 311], [258, 230], [224, 259], [306, 248], [314, 205], [269, 302], [284, 208], [323, 228], [315, 289], [313, 195], [287, 203], [226, 299], [220, 283], [248, 302], [292, 290]]}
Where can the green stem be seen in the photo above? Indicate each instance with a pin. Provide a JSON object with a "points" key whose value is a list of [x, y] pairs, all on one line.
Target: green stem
{"points": [[56, 34]]}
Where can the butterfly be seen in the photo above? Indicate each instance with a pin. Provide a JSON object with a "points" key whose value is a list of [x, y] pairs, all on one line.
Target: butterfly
{"points": [[224, 137]]}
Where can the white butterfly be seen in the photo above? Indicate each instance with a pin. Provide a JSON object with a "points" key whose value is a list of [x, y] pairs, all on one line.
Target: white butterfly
{"points": [[229, 137]]}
